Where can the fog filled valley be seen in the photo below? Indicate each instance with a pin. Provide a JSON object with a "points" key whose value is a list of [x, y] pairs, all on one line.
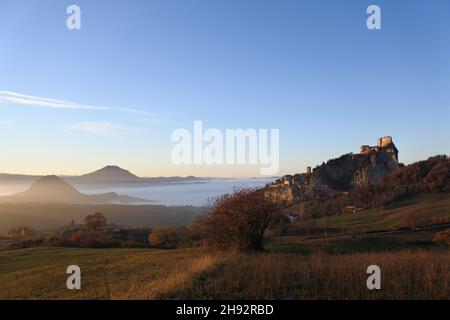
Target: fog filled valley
{"points": [[51, 201]]}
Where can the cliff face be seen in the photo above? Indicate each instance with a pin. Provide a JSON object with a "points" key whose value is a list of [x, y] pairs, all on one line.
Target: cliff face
{"points": [[355, 170], [288, 194], [341, 174], [374, 166]]}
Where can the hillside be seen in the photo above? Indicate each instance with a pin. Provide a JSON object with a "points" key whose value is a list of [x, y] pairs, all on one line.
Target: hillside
{"points": [[52, 215], [420, 210], [420, 178]]}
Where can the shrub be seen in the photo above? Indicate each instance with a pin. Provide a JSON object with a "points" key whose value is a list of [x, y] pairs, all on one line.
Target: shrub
{"points": [[165, 237], [442, 237], [237, 221], [90, 239]]}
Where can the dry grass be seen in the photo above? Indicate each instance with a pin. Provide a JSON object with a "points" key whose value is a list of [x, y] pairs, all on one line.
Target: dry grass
{"points": [[405, 275], [40, 273], [199, 274], [169, 284]]}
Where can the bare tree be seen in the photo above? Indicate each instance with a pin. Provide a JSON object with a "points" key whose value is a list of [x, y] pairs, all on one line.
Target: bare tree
{"points": [[237, 221]]}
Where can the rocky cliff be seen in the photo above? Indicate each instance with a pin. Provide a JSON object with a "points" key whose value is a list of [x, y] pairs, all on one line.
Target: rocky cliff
{"points": [[345, 173]]}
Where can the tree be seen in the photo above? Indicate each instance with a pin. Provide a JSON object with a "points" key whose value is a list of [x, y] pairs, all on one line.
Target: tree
{"points": [[94, 222], [165, 237], [21, 231], [194, 234], [76, 237], [237, 221]]}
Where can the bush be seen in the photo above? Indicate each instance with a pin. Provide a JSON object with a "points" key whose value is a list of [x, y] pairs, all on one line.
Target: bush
{"points": [[165, 237], [442, 238], [237, 221]]}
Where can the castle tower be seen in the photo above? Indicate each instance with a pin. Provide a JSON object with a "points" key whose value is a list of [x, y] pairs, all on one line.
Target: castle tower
{"points": [[308, 170], [384, 141]]}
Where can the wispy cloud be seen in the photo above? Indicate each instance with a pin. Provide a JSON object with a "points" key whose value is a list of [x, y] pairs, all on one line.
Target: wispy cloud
{"points": [[103, 128], [23, 99]]}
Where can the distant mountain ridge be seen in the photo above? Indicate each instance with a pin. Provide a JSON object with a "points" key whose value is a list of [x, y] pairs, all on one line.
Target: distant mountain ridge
{"points": [[106, 175], [52, 189]]}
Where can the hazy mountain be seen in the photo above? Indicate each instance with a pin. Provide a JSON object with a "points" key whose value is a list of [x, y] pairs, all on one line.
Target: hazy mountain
{"points": [[114, 174], [51, 189], [110, 174]]}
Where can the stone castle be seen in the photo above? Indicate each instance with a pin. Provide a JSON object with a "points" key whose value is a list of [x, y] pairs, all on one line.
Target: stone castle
{"points": [[350, 170], [385, 143]]}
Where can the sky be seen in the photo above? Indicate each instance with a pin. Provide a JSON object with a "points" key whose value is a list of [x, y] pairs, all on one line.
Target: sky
{"points": [[111, 93]]}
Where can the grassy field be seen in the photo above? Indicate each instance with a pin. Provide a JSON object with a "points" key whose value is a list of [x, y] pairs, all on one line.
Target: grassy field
{"points": [[352, 244], [39, 273], [405, 275]]}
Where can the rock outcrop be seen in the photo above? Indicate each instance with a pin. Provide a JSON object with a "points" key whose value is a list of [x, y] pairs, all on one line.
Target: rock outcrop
{"points": [[345, 173]]}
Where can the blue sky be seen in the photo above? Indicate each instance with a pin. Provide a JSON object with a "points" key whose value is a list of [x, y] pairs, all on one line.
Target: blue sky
{"points": [[310, 68]]}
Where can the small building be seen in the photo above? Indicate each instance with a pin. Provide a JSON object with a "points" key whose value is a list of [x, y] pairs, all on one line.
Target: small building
{"points": [[351, 209], [286, 180]]}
